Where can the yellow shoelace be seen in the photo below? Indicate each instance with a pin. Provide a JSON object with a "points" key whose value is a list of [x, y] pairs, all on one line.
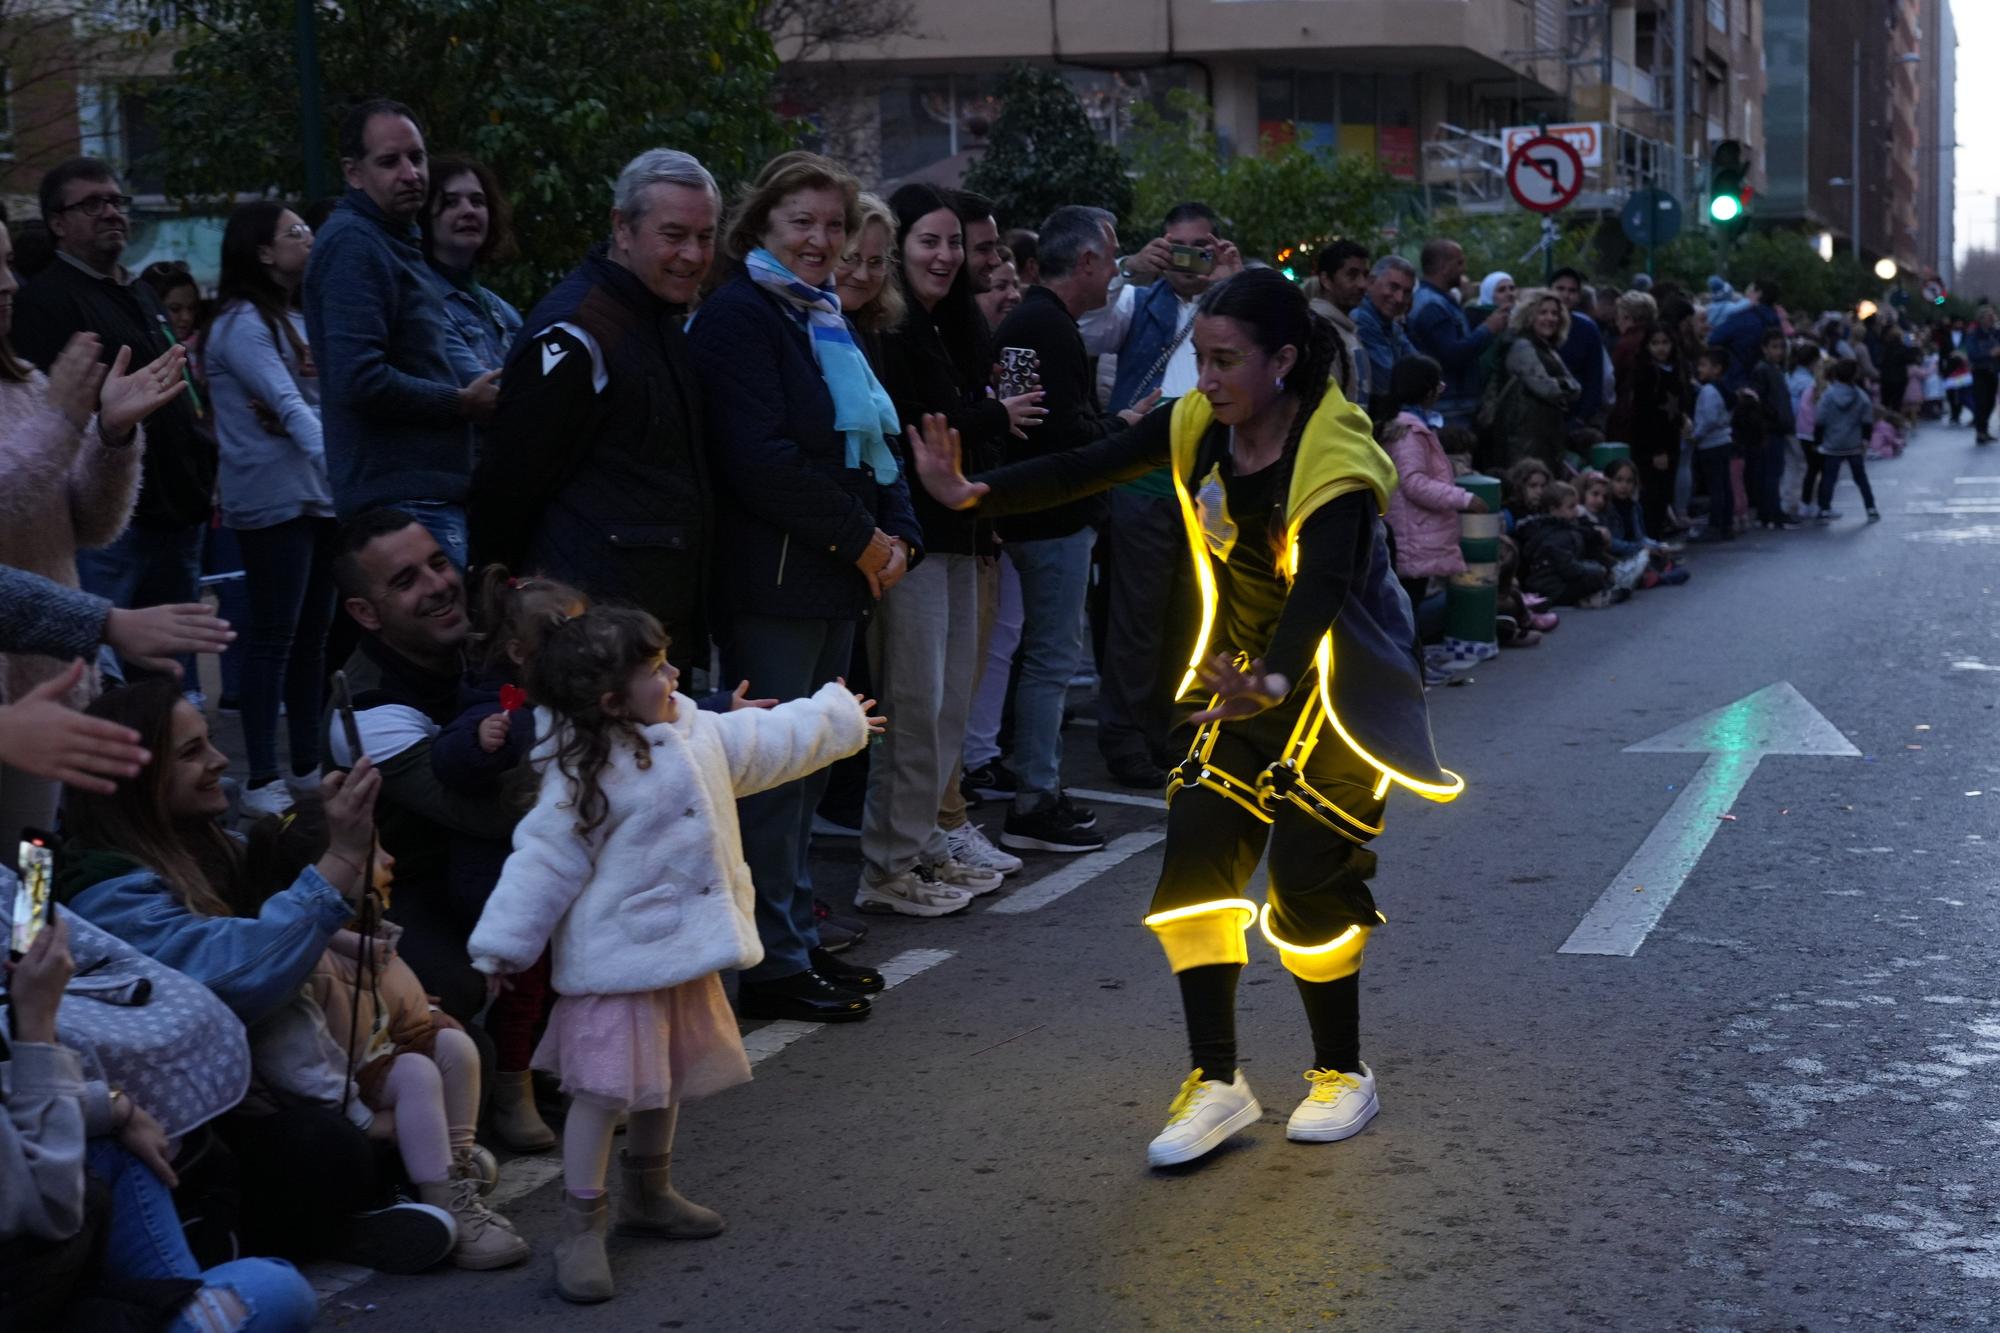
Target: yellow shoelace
{"points": [[1328, 1084], [1186, 1099]]}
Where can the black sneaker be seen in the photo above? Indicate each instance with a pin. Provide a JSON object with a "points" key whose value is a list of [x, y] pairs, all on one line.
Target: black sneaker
{"points": [[847, 976], [837, 933], [402, 1238], [1047, 830], [1080, 815], [994, 781]]}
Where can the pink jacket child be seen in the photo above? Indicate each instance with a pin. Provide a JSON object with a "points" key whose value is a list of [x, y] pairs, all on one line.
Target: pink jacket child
{"points": [[1423, 512]]}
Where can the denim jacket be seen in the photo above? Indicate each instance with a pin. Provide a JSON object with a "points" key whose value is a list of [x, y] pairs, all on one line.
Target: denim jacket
{"points": [[482, 326]]}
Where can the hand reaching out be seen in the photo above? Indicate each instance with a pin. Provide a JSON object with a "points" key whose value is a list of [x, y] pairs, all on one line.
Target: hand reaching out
{"points": [[740, 698], [877, 724], [41, 734], [126, 400], [152, 637], [1240, 692], [1136, 413], [940, 460]]}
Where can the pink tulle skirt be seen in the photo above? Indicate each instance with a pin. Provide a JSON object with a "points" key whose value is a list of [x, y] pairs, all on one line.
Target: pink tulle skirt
{"points": [[645, 1051]]}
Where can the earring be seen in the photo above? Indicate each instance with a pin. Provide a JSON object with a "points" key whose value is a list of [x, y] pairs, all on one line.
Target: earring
{"points": [[1281, 384]]}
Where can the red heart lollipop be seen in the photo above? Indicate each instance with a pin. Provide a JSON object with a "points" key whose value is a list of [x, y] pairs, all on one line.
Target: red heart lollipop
{"points": [[512, 698]]}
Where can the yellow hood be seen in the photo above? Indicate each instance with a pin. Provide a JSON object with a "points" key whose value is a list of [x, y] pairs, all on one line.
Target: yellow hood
{"points": [[1337, 454]]}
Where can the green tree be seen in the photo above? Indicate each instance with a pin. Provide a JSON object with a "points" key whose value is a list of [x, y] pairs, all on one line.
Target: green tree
{"points": [[555, 97], [1043, 154], [1279, 199]]}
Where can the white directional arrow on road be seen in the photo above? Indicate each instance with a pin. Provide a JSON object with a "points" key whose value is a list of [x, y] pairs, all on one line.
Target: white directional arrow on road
{"points": [[1775, 720]]}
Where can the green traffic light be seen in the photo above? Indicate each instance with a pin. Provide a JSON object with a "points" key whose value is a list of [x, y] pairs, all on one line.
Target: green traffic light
{"points": [[1725, 208]]}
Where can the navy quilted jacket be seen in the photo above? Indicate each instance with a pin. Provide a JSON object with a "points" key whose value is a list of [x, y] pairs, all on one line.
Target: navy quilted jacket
{"points": [[791, 518]]}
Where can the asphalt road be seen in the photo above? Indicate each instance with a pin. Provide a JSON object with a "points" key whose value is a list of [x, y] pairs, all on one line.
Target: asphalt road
{"points": [[1777, 1114]]}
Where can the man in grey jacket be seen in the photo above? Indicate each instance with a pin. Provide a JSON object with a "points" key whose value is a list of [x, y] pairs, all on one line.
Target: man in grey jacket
{"points": [[396, 420]]}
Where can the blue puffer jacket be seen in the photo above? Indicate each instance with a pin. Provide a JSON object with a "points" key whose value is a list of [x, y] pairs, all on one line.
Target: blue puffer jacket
{"points": [[792, 518]]}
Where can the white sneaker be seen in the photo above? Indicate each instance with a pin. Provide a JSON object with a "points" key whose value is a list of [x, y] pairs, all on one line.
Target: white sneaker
{"points": [[970, 847], [910, 894], [273, 798], [957, 874], [1202, 1115], [302, 783], [1338, 1107]]}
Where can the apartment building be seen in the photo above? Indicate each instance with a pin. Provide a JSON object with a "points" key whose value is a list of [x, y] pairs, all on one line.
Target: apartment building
{"points": [[1862, 109], [1424, 87]]}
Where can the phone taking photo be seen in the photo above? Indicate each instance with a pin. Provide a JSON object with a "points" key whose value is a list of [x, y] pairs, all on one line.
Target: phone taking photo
{"points": [[35, 895], [343, 707], [1196, 259]]}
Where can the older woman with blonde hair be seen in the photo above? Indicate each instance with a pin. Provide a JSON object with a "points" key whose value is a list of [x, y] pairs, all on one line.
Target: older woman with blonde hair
{"points": [[871, 294], [1530, 404], [813, 525]]}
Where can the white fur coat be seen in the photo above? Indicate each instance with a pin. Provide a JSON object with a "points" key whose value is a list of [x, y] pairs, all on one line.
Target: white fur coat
{"points": [[658, 894]]}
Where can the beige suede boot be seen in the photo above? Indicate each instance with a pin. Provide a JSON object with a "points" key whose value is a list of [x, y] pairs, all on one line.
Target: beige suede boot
{"points": [[484, 1240], [649, 1205], [583, 1271], [517, 1122]]}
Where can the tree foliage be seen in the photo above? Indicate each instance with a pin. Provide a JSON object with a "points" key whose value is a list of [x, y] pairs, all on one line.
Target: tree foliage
{"points": [[1284, 196], [555, 97], [1043, 154]]}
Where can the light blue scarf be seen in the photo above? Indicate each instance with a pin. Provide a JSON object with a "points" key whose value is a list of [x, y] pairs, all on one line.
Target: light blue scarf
{"points": [[861, 406]]}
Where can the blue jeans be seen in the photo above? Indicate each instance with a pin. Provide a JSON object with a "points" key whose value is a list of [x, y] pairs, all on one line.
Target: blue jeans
{"points": [[146, 567], [221, 555], [143, 1239], [1055, 576], [291, 599], [783, 659], [444, 521]]}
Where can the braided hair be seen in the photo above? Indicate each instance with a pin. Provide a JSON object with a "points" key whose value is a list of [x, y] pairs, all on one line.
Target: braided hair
{"points": [[1276, 315]]}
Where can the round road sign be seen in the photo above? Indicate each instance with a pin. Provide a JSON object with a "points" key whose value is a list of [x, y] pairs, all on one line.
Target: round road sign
{"points": [[1545, 174], [1650, 218]]}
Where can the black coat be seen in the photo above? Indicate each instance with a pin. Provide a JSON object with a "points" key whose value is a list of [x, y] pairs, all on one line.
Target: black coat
{"points": [[1561, 557], [1069, 388], [792, 517], [921, 376], [594, 470]]}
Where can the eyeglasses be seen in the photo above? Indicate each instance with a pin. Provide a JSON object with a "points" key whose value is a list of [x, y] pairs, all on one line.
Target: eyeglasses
{"points": [[92, 206], [298, 231], [878, 264]]}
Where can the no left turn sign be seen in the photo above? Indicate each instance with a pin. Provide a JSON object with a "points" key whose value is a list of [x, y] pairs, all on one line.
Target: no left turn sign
{"points": [[1545, 174]]}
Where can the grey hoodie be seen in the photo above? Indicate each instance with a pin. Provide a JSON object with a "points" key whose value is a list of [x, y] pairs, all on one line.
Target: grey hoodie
{"points": [[1842, 417]]}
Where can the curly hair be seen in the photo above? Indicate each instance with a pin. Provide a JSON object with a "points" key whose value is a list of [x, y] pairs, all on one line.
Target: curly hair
{"points": [[584, 661], [517, 610], [1522, 322]]}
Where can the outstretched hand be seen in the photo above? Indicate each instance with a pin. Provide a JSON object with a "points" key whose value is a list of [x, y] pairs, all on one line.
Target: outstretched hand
{"points": [[125, 399], [940, 460], [877, 724], [1240, 692]]}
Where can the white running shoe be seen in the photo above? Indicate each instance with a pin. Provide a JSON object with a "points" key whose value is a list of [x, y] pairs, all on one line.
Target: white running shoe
{"points": [[970, 847], [273, 798], [1202, 1115], [1337, 1108], [910, 894], [956, 874]]}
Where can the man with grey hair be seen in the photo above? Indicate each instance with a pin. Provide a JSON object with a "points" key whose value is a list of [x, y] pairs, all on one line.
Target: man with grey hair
{"points": [[1379, 322], [1050, 549], [594, 471]]}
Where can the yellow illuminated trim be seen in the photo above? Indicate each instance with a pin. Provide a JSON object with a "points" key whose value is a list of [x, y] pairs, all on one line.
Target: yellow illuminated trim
{"points": [[1340, 941], [1434, 791], [1243, 905], [1204, 577], [1382, 787]]}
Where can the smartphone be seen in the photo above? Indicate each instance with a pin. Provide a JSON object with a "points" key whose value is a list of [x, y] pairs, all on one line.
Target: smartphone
{"points": [[35, 897], [343, 707], [1196, 259], [1020, 371]]}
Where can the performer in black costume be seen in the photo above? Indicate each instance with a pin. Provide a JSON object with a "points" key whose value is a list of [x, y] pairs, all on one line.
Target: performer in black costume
{"points": [[1316, 697]]}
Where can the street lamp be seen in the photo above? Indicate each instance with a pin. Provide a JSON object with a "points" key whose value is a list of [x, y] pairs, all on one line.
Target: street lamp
{"points": [[1885, 269]]}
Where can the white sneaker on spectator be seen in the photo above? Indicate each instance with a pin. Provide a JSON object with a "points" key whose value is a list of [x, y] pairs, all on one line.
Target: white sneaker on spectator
{"points": [[273, 798], [910, 894], [958, 874], [970, 846], [302, 783]]}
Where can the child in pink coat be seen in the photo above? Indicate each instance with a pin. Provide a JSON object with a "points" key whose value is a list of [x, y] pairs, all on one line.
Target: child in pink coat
{"points": [[1423, 511]]}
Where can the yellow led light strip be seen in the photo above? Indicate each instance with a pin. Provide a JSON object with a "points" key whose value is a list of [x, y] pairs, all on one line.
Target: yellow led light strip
{"points": [[1204, 577], [1433, 791], [1243, 905], [1340, 941]]}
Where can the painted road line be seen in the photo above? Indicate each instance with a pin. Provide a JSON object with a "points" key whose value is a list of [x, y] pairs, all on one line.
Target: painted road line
{"points": [[522, 1176], [1118, 798], [1775, 720], [1078, 872], [761, 1043]]}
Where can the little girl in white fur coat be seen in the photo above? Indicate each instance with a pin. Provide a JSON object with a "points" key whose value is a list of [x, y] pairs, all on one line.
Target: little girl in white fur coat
{"points": [[630, 868]]}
